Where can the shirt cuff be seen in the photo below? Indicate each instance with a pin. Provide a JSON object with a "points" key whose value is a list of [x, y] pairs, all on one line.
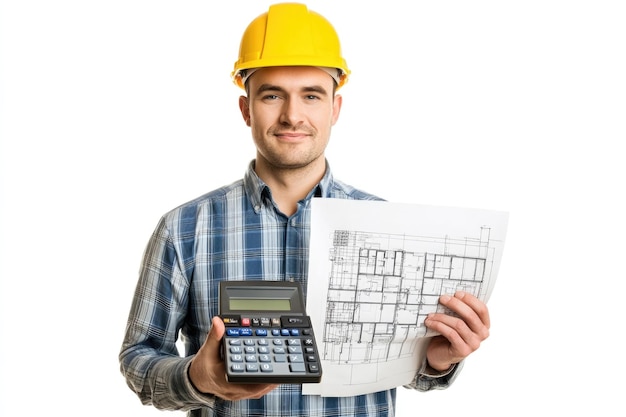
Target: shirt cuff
{"points": [[205, 399], [426, 370], [173, 389], [428, 379]]}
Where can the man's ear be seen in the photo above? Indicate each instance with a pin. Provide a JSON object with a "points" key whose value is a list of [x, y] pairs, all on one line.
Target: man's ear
{"points": [[337, 101], [245, 109]]}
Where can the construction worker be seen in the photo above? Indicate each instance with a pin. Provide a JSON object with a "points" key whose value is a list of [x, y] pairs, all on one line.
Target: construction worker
{"points": [[290, 66]]}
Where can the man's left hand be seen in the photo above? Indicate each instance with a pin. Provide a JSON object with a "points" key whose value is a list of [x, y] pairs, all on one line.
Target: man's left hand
{"points": [[458, 336]]}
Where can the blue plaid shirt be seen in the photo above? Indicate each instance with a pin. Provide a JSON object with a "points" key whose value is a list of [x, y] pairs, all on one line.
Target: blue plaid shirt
{"points": [[233, 233]]}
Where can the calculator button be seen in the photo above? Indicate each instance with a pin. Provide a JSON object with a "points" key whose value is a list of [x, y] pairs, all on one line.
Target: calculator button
{"points": [[252, 367], [250, 358], [297, 367], [295, 321], [280, 358], [275, 332], [249, 342], [265, 358], [295, 349], [284, 332], [311, 358], [234, 342], [293, 342], [236, 358], [295, 332], [231, 321], [261, 332], [279, 350], [235, 349], [314, 367], [266, 367], [232, 332], [250, 349], [245, 322], [237, 367], [295, 358], [263, 349], [245, 332]]}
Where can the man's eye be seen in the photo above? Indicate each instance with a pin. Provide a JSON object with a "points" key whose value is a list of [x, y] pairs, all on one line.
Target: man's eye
{"points": [[312, 97], [270, 97]]}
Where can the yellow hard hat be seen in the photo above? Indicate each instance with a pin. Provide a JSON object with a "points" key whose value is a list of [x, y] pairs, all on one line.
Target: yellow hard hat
{"points": [[290, 35]]}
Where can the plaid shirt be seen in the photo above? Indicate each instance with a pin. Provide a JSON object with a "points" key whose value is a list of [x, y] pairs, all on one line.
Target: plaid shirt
{"points": [[233, 233]]}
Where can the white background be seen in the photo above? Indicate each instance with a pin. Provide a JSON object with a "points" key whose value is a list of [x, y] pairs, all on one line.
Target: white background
{"points": [[114, 112]]}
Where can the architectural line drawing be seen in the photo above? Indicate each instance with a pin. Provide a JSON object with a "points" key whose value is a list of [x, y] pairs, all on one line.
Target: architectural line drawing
{"points": [[382, 287], [376, 270]]}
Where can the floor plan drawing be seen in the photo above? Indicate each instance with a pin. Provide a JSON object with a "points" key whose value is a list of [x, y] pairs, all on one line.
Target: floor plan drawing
{"points": [[381, 287], [376, 270]]}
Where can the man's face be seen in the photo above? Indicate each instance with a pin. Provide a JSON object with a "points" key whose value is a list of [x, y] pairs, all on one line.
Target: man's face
{"points": [[291, 111]]}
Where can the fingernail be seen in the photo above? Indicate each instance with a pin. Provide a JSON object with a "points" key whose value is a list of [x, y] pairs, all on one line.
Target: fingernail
{"points": [[444, 298]]}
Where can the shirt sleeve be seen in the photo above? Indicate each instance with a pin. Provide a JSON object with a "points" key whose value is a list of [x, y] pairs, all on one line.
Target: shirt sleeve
{"points": [[149, 358], [426, 381]]}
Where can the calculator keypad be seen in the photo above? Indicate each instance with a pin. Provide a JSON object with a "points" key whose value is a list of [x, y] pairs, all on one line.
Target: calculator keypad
{"points": [[272, 350]]}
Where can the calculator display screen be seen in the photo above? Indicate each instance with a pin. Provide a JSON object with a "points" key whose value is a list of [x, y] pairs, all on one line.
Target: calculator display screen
{"points": [[237, 297], [259, 304]]}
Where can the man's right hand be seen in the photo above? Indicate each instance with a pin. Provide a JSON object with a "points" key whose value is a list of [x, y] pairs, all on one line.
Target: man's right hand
{"points": [[208, 375]]}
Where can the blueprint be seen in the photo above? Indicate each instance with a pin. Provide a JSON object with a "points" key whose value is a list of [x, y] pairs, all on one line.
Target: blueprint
{"points": [[376, 270]]}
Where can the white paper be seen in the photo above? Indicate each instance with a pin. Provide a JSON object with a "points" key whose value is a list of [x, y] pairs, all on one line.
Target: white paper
{"points": [[376, 269]]}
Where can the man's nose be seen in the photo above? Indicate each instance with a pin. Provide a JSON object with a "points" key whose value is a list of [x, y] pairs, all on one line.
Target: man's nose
{"points": [[292, 113]]}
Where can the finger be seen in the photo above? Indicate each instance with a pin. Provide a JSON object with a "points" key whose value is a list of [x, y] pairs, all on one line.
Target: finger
{"points": [[471, 310], [213, 343], [260, 390], [206, 371], [479, 307], [242, 391], [452, 328], [462, 341], [237, 392], [214, 339]]}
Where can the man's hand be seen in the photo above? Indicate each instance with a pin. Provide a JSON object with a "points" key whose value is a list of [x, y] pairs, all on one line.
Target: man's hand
{"points": [[458, 336], [208, 375]]}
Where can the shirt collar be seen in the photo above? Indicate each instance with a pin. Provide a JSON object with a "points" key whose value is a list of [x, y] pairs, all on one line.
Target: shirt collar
{"points": [[258, 191]]}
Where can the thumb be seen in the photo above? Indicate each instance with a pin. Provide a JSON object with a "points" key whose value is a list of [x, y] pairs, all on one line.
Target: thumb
{"points": [[217, 331], [206, 367]]}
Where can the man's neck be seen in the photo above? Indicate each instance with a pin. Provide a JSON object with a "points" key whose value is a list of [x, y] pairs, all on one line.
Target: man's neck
{"points": [[289, 186]]}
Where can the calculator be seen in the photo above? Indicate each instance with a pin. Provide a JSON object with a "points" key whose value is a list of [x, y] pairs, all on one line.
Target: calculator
{"points": [[269, 337]]}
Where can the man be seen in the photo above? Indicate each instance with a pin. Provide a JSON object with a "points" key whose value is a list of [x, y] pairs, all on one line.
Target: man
{"points": [[258, 228]]}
